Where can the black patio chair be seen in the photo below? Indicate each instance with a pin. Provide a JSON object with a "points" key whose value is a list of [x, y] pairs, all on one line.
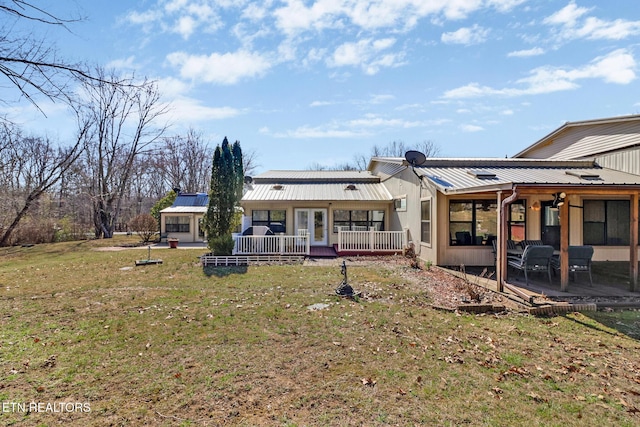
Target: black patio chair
{"points": [[579, 261], [535, 259]]}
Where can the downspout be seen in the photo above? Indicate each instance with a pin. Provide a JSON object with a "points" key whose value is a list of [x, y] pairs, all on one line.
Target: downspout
{"points": [[501, 256]]}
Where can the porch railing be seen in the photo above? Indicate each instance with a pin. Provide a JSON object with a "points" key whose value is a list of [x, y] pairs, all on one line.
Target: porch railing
{"points": [[272, 245], [371, 240]]}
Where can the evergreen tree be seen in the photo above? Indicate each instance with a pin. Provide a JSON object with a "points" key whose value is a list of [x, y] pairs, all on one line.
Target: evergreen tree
{"points": [[224, 195]]}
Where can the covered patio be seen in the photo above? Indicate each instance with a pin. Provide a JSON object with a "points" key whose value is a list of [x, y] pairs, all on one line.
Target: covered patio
{"points": [[610, 286], [610, 281], [577, 194]]}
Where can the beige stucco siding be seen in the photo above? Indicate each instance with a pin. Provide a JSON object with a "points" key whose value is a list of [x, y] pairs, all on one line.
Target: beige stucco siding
{"points": [[192, 235]]}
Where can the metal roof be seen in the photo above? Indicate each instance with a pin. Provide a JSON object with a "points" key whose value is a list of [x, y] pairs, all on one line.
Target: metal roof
{"points": [[184, 209], [307, 176], [314, 191], [465, 176]]}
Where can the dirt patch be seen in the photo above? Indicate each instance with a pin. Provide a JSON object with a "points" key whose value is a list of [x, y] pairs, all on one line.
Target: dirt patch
{"points": [[444, 289]]}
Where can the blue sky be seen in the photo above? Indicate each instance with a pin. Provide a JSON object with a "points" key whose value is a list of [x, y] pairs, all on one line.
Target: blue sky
{"points": [[303, 82]]}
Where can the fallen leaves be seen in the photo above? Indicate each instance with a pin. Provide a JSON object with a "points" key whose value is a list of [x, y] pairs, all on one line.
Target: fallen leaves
{"points": [[369, 382]]}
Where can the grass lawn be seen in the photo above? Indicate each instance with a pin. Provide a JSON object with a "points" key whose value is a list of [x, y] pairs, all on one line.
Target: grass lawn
{"points": [[171, 344]]}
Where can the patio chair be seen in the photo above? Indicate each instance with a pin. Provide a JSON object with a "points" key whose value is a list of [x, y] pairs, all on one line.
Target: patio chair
{"points": [[525, 243], [535, 259], [579, 261], [463, 238]]}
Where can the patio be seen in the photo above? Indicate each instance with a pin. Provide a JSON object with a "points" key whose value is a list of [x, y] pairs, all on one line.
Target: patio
{"points": [[610, 288]]}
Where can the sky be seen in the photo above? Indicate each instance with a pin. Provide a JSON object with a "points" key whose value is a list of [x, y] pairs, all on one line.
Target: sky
{"points": [[304, 82]]}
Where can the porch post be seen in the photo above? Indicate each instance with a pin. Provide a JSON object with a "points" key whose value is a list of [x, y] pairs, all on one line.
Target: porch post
{"points": [[633, 244], [564, 245], [499, 245]]}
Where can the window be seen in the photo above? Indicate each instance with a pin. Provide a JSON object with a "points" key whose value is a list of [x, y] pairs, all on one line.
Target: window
{"points": [[606, 222], [276, 220], [358, 220], [517, 221], [472, 222], [400, 204], [425, 221], [176, 224]]}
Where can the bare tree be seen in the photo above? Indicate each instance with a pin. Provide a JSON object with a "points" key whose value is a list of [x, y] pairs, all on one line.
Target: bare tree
{"points": [[393, 149], [28, 60], [30, 168], [249, 162], [123, 120], [185, 162]]}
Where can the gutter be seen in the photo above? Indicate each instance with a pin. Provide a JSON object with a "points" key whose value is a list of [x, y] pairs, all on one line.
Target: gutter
{"points": [[502, 250]]}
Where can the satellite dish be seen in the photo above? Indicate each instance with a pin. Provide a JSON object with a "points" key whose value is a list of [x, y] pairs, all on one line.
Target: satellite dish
{"points": [[415, 158], [248, 179]]}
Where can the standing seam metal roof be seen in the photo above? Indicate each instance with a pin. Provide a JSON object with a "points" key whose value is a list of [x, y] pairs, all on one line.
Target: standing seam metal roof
{"points": [[459, 179], [317, 191]]}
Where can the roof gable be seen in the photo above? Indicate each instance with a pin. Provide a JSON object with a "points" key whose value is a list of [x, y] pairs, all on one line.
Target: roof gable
{"points": [[589, 138]]}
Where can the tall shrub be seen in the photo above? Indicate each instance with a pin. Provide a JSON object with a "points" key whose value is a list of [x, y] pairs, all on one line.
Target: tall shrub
{"points": [[224, 195]]}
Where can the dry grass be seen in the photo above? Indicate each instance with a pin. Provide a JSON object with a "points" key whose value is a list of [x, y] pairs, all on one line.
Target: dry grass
{"points": [[172, 344]]}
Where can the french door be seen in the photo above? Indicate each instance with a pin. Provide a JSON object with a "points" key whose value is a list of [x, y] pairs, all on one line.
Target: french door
{"points": [[314, 223]]}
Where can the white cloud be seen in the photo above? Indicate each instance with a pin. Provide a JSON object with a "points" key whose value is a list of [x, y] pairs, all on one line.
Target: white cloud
{"points": [[567, 16], [183, 17], [471, 128], [366, 54], [143, 18], [616, 67], [507, 112], [574, 24], [227, 68], [305, 132], [372, 120], [123, 64], [189, 110], [320, 104], [467, 36], [400, 15], [379, 99], [536, 51]]}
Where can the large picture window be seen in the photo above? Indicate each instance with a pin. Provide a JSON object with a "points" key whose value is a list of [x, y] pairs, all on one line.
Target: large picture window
{"points": [[472, 222], [176, 224], [358, 220], [276, 220], [606, 222], [425, 221]]}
